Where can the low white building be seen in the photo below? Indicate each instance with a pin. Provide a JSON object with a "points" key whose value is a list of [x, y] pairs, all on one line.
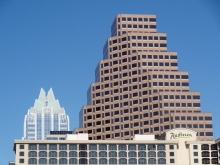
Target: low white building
{"points": [[175, 147]]}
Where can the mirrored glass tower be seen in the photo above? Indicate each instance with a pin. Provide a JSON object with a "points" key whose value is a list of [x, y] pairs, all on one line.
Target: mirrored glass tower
{"points": [[46, 115]]}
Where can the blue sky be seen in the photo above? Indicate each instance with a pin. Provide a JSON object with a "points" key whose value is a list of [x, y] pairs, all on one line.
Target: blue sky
{"points": [[59, 43]]}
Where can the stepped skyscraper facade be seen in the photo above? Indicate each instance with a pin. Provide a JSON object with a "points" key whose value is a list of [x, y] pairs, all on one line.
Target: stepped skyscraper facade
{"points": [[138, 88], [46, 115]]}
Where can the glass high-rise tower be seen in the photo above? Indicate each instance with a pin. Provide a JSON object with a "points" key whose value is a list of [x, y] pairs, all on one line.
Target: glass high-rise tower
{"points": [[46, 115], [138, 88]]}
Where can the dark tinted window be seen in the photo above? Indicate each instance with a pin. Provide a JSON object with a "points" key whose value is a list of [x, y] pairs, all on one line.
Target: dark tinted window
{"points": [[152, 19]]}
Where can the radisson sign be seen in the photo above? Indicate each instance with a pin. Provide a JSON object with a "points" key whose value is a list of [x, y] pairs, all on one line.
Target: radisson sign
{"points": [[180, 135]]}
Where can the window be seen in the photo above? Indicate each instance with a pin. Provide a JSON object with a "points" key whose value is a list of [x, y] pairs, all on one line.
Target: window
{"points": [[73, 154], [32, 154], [103, 161], [82, 154], [209, 134], [43, 154], [196, 160], [205, 161], [21, 160], [62, 154], [152, 161], [52, 161], [142, 161], [62, 161], [103, 154], [42, 161], [161, 154], [195, 147], [21, 146], [132, 154], [32, 161], [141, 147], [52, 147], [208, 118], [205, 147], [122, 154], [122, 161], [214, 154], [161, 147], [205, 154], [131, 147], [113, 161], [214, 147], [82, 161], [132, 161], [171, 147], [32, 147], [73, 161], [171, 153], [151, 147], [21, 154], [93, 161], [102, 147], [52, 154], [62, 147], [172, 161], [195, 153], [161, 161], [122, 147]]}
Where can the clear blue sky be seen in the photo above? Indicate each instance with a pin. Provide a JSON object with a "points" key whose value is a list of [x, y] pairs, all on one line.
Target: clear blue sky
{"points": [[59, 43]]}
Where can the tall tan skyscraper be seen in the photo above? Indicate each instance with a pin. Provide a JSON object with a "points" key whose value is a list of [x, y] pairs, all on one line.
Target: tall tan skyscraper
{"points": [[138, 88]]}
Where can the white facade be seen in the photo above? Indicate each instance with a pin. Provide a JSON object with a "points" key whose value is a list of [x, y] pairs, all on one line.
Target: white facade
{"points": [[46, 115], [175, 147]]}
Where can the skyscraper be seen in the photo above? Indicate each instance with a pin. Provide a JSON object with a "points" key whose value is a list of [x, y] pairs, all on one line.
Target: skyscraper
{"points": [[138, 88], [45, 116]]}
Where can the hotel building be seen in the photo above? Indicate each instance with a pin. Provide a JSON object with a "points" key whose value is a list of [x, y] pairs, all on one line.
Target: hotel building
{"points": [[175, 147]]}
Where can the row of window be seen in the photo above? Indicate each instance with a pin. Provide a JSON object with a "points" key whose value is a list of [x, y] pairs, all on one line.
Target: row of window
{"points": [[137, 19], [120, 147], [145, 115], [182, 104], [148, 130], [128, 59], [155, 113], [130, 81], [208, 147], [207, 161], [195, 118], [136, 26], [144, 92], [170, 84], [145, 130], [97, 161], [134, 65], [126, 67], [145, 100], [139, 45], [155, 121], [131, 154], [207, 154], [188, 97], [151, 99], [148, 45], [115, 41], [194, 126]]}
